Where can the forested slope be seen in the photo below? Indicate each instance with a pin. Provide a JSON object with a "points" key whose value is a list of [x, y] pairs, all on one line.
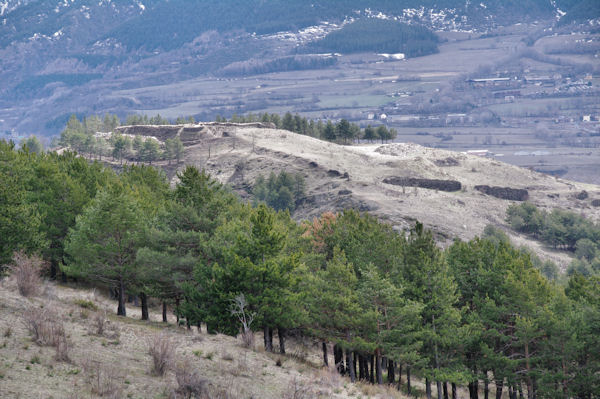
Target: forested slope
{"points": [[454, 316]]}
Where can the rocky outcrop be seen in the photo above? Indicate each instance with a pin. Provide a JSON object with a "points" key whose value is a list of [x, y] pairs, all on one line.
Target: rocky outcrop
{"points": [[507, 193], [582, 195], [446, 162], [432, 184]]}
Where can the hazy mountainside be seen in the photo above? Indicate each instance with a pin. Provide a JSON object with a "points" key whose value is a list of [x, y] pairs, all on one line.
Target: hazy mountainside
{"points": [[376, 178], [69, 56]]}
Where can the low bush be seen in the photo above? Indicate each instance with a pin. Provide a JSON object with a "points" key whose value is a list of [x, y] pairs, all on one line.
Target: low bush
{"points": [[26, 270], [103, 380], [47, 329], [162, 350], [189, 382], [84, 303]]}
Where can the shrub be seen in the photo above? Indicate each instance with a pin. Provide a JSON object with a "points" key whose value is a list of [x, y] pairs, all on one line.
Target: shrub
{"points": [[162, 350], [100, 323], [189, 383], [297, 390], [43, 325], [26, 270], [47, 329], [85, 304], [247, 338], [102, 379]]}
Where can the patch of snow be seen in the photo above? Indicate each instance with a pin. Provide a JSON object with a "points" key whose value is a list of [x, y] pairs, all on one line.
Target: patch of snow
{"points": [[308, 34], [140, 5]]}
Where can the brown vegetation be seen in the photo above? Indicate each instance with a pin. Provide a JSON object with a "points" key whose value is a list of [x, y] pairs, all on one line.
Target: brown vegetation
{"points": [[47, 329], [162, 349], [26, 270]]}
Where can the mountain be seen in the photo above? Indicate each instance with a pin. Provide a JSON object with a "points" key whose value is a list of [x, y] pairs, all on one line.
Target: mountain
{"points": [[62, 57]]}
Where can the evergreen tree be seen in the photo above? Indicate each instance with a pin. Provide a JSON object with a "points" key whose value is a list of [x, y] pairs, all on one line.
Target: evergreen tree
{"points": [[370, 134], [32, 144], [19, 219], [329, 132], [103, 244]]}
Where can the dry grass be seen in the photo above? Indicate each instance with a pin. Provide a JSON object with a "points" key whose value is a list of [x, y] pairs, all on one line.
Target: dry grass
{"points": [[26, 271], [101, 367], [162, 350]]}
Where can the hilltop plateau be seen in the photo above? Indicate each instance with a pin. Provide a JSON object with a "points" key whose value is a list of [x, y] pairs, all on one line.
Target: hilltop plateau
{"points": [[376, 178]]}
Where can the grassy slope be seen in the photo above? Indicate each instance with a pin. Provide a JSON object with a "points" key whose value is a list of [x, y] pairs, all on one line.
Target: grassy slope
{"points": [[30, 371]]}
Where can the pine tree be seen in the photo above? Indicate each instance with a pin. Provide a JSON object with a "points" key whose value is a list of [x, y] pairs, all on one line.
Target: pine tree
{"points": [[103, 244]]}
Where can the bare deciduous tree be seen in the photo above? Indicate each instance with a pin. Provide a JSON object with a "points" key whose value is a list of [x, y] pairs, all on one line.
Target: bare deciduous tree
{"points": [[239, 309]]}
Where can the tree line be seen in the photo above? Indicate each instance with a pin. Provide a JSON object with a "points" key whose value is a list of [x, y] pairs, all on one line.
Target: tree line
{"points": [[342, 131], [83, 136], [393, 304]]}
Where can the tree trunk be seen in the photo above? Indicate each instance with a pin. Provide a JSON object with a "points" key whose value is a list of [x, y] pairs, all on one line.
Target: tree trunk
{"points": [[391, 372], [474, 389], [268, 338], [53, 269], [520, 388], [486, 388], [399, 375], [378, 366], [428, 388], [350, 364], [144, 299], [177, 310], [199, 326], [325, 360], [281, 335], [361, 367], [354, 361], [338, 359], [438, 385], [453, 390], [164, 312], [499, 387], [445, 390], [372, 367], [121, 311], [408, 387]]}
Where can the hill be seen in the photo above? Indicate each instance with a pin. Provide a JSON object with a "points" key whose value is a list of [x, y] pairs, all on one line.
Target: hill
{"points": [[374, 178]]}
